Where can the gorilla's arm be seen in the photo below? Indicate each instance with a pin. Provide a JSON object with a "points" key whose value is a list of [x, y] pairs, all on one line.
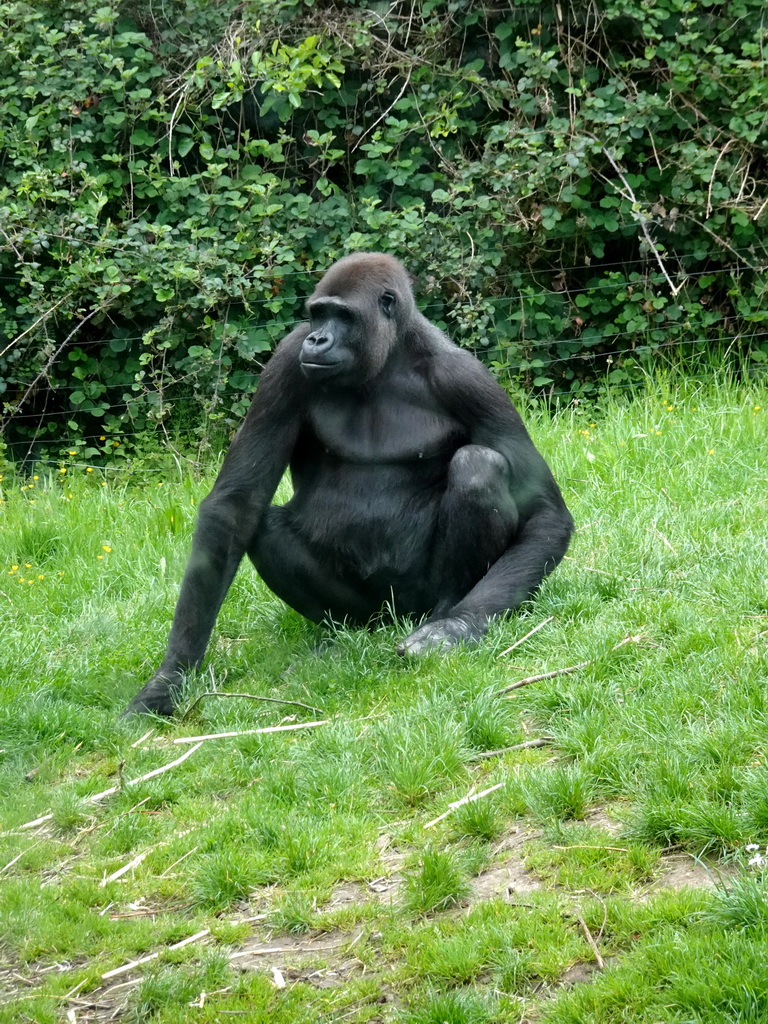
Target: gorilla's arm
{"points": [[472, 396], [228, 519]]}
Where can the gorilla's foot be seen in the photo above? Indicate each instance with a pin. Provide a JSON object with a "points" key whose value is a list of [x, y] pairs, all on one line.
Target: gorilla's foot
{"points": [[439, 635], [157, 698]]}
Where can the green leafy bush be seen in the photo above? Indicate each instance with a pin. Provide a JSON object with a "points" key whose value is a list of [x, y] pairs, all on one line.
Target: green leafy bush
{"points": [[576, 196]]}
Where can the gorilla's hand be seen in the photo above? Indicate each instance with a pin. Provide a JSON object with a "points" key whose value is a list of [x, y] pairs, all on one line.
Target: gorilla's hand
{"points": [[157, 697], [439, 635]]}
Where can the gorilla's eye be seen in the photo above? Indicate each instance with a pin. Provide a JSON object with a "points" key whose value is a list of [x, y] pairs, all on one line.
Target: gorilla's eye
{"points": [[388, 301]]}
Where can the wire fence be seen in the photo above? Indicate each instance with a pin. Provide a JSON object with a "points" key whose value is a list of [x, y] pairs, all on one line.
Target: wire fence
{"points": [[511, 368], [646, 280], [194, 434], [272, 274], [729, 327]]}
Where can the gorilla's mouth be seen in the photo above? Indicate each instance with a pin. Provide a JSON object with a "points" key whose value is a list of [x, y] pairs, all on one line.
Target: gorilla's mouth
{"points": [[312, 368]]}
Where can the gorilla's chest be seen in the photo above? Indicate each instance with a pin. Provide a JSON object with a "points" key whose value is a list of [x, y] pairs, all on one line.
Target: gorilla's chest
{"points": [[401, 427]]}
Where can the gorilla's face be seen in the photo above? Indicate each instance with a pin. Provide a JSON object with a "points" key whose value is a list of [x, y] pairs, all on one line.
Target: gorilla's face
{"points": [[347, 344]]}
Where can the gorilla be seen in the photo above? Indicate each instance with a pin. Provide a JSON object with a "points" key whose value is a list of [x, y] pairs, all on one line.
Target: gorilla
{"points": [[415, 483]]}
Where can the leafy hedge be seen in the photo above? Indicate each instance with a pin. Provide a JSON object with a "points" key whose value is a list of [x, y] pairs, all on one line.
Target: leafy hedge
{"points": [[574, 196]]}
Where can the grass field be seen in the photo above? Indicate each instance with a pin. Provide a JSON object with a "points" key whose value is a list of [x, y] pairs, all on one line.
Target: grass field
{"points": [[607, 878]]}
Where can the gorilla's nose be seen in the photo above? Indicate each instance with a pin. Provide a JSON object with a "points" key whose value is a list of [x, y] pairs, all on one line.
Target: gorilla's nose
{"points": [[317, 343]]}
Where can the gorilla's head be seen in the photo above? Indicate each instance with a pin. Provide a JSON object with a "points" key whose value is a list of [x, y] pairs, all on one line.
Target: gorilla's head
{"points": [[357, 313]]}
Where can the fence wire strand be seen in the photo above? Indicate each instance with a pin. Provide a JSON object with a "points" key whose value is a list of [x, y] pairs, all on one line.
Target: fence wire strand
{"points": [[585, 357]]}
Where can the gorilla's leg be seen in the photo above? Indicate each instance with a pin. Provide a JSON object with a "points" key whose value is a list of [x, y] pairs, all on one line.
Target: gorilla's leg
{"points": [[301, 578], [476, 523]]}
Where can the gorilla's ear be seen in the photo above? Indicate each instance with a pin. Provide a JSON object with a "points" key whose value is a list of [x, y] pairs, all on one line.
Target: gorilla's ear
{"points": [[388, 303]]}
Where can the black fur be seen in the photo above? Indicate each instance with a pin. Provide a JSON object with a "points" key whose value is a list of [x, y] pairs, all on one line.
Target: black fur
{"points": [[415, 481]]}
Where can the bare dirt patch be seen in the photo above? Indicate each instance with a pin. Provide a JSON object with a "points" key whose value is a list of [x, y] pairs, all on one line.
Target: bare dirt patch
{"points": [[301, 957], [348, 894], [682, 871], [503, 881], [387, 887], [324, 961], [328, 959], [576, 975], [598, 817]]}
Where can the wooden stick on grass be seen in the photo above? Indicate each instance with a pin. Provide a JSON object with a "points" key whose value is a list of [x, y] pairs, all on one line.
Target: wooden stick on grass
{"points": [[143, 778], [248, 696], [73, 991], [18, 857], [470, 798], [527, 635], [542, 741], [153, 956], [586, 846], [123, 984], [283, 949], [565, 671], [588, 936], [544, 675], [183, 857], [248, 732], [131, 782], [129, 866]]}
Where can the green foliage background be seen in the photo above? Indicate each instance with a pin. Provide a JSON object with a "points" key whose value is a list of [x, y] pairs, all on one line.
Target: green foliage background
{"points": [[577, 190]]}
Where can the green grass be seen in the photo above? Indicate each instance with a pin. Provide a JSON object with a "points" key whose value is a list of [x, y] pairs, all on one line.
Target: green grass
{"points": [[314, 842]]}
